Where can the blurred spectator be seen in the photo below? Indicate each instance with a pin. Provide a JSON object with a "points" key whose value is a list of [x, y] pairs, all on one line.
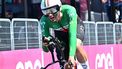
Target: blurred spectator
{"points": [[9, 14], [81, 7], [96, 10], [65, 1], [110, 6], [96, 6], [118, 6], [83, 10]]}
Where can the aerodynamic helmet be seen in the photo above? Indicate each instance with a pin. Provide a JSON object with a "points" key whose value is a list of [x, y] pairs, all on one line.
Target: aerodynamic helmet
{"points": [[50, 6]]}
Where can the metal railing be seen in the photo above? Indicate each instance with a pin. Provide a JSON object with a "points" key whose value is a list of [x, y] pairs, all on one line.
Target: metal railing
{"points": [[102, 33], [25, 33], [5, 34], [19, 33]]}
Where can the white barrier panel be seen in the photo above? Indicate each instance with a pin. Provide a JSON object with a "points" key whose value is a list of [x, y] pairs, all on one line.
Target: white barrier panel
{"points": [[90, 35], [104, 32], [97, 33], [117, 32], [5, 34], [26, 33]]}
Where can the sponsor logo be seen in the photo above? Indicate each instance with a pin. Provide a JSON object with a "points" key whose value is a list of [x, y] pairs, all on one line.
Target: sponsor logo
{"points": [[29, 65], [105, 60]]}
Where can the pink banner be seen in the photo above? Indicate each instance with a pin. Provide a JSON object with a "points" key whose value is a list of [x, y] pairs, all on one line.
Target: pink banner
{"points": [[104, 56], [99, 57], [25, 59]]}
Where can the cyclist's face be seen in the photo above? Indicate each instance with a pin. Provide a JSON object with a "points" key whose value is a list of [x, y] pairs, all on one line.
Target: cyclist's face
{"points": [[52, 16], [51, 13]]}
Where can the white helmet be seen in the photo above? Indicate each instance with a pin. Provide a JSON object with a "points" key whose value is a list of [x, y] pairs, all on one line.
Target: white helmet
{"points": [[47, 4]]}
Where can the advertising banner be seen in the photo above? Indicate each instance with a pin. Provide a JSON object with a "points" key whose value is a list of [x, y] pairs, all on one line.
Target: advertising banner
{"points": [[104, 56], [25, 59], [99, 57]]}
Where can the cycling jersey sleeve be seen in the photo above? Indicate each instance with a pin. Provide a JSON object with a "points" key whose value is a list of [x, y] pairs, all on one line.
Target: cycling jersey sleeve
{"points": [[44, 27], [72, 30]]}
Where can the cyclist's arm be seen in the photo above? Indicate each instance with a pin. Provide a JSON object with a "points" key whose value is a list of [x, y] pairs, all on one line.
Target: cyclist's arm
{"points": [[72, 31], [44, 27], [45, 31]]}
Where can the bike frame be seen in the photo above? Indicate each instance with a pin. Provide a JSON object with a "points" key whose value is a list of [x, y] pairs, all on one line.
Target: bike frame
{"points": [[55, 44]]}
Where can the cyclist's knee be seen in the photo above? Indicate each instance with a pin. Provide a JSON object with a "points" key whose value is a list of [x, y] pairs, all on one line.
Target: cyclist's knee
{"points": [[79, 42]]}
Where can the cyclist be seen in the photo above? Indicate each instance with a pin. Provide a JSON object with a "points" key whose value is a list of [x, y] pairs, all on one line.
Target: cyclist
{"points": [[67, 27]]}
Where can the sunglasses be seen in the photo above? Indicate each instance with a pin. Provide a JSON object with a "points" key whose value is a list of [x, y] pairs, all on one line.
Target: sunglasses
{"points": [[50, 11]]}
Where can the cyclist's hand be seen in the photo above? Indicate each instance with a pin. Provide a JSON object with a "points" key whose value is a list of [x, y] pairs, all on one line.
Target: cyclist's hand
{"points": [[45, 44], [46, 41], [72, 60], [71, 63]]}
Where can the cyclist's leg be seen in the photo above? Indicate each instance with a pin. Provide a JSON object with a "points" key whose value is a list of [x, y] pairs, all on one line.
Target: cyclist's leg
{"points": [[81, 55], [80, 52]]}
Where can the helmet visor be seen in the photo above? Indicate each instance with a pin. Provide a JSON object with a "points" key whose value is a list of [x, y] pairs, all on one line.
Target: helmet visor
{"points": [[51, 10]]}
